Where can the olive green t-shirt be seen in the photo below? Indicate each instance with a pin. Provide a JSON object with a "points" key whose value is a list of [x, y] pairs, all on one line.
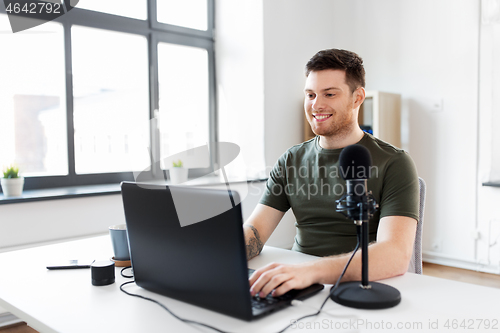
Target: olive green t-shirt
{"points": [[307, 178]]}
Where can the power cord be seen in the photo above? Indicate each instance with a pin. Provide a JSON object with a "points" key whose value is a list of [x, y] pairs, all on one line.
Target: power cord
{"points": [[188, 321], [126, 276]]}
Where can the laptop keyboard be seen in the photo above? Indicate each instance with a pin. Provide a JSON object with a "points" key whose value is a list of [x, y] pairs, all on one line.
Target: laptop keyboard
{"points": [[259, 303]]}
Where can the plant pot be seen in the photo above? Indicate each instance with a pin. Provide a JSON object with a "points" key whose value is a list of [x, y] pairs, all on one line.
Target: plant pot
{"points": [[12, 187], [178, 175]]}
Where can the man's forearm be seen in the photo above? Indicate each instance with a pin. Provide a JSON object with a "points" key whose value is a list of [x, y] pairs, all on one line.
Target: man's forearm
{"points": [[253, 242], [384, 262]]}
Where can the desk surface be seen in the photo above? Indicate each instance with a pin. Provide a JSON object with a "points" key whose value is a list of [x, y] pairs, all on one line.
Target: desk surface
{"points": [[66, 301]]}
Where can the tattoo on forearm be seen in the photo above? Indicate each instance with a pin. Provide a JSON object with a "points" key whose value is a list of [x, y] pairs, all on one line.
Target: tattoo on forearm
{"points": [[254, 245]]}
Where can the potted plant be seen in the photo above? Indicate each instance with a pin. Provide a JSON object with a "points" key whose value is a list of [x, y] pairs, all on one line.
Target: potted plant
{"points": [[178, 174], [12, 182]]}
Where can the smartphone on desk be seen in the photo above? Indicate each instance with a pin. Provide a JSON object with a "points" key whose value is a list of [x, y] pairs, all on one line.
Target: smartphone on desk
{"points": [[70, 264]]}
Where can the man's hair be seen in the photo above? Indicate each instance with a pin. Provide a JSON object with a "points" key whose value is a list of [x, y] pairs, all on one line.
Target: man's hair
{"points": [[344, 60]]}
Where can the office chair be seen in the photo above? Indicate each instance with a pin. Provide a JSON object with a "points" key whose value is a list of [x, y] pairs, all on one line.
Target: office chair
{"points": [[416, 258]]}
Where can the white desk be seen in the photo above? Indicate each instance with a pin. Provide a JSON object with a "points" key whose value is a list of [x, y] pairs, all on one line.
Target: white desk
{"points": [[66, 301]]}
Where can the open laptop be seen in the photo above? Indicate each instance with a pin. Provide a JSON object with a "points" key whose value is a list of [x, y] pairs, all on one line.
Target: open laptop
{"points": [[187, 243]]}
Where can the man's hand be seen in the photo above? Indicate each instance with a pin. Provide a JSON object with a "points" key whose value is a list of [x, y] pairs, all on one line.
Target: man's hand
{"points": [[280, 278]]}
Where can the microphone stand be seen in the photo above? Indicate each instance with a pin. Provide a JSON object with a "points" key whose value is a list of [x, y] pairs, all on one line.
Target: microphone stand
{"points": [[364, 295]]}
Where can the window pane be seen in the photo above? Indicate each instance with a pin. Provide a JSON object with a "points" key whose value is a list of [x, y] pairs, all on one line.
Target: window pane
{"points": [[184, 102], [111, 101], [131, 8], [32, 99], [185, 13]]}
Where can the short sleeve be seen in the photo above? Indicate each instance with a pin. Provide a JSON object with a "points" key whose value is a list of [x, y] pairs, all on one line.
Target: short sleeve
{"points": [[400, 191], [274, 194]]}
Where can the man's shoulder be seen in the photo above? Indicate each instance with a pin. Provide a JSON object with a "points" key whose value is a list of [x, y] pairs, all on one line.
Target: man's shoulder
{"points": [[387, 158], [381, 149]]}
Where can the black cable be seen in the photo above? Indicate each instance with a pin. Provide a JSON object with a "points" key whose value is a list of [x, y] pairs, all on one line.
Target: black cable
{"points": [[126, 276], [163, 306], [168, 310]]}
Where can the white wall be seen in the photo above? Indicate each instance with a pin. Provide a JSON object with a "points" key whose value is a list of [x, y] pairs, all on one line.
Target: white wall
{"points": [[239, 73], [293, 31], [43, 221]]}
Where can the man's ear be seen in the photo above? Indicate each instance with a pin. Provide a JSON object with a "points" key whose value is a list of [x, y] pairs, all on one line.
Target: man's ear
{"points": [[359, 96]]}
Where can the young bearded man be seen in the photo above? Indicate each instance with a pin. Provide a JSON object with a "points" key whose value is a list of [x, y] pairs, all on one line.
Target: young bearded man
{"points": [[307, 179]]}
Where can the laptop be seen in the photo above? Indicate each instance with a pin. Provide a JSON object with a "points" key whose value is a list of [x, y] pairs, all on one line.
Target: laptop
{"points": [[187, 243]]}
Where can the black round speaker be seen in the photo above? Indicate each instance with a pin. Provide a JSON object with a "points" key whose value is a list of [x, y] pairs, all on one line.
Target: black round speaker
{"points": [[103, 273]]}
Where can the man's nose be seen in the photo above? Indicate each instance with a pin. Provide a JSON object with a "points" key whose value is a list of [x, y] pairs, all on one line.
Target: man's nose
{"points": [[318, 103]]}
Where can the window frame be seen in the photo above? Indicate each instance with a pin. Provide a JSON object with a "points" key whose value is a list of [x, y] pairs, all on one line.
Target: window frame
{"points": [[155, 32]]}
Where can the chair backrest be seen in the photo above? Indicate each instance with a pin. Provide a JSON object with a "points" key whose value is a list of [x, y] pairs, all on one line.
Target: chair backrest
{"points": [[416, 258]]}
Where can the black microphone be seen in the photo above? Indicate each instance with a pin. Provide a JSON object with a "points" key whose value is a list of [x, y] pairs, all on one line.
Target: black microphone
{"points": [[358, 204]]}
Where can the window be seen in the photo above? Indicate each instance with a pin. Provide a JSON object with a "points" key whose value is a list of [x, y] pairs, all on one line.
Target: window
{"points": [[110, 104], [186, 13], [130, 8], [33, 108], [184, 99], [80, 92]]}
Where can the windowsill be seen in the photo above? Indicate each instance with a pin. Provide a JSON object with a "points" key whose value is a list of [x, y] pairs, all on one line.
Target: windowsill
{"points": [[62, 193], [95, 190]]}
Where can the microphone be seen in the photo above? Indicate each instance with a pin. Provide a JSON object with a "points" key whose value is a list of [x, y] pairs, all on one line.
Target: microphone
{"points": [[355, 167], [359, 205]]}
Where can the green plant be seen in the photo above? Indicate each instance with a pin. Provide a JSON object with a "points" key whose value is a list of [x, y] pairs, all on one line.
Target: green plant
{"points": [[11, 172], [177, 164]]}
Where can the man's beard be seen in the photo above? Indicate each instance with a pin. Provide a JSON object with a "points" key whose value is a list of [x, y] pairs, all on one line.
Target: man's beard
{"points": [[338, 129]]}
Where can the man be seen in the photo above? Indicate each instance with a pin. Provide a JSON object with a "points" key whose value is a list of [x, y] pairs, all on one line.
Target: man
{"points": [[306, 178]]}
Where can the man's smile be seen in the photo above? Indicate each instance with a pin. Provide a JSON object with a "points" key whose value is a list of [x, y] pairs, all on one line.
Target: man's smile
{"points": [[321, 116]]}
